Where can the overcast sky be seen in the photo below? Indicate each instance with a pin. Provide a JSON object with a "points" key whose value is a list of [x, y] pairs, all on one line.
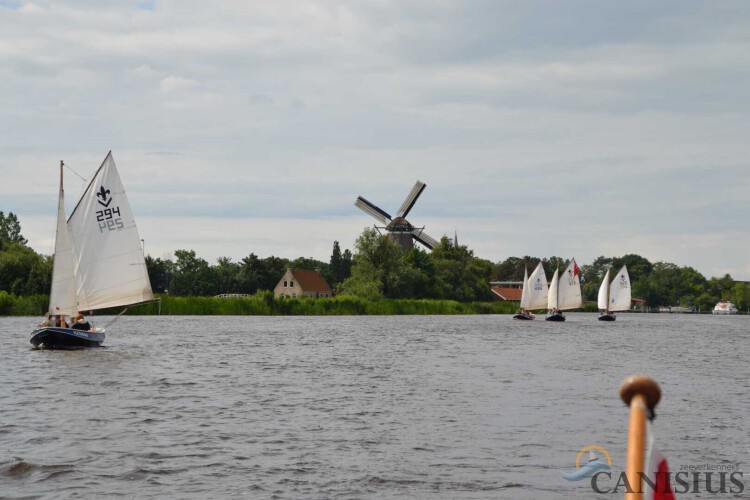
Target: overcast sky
{"points": [[540, 127]]}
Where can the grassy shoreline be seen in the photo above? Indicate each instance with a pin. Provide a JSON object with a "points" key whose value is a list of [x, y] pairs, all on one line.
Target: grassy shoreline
{"points": [[264, 304]]}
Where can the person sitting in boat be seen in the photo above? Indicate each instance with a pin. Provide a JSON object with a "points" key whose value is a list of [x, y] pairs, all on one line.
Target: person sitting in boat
{"points": [[59, 321], [48, 321], [81, 324]]}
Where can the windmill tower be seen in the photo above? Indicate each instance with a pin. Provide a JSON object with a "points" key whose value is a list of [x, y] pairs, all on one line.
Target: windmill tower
{"points": [[399, 229]]}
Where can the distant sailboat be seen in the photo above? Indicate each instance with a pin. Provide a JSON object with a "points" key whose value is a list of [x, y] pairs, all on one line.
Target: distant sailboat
{"points": [[523, 312], [538, 289], [535, 292], [99, 260], [615, 296], [564, 293]]}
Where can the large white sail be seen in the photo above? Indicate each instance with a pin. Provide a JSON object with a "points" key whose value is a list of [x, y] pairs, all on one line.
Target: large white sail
{"points": [[110, 268], [619, 291], [603, 293], [569, 288], [62, 297], [538, 289], [552, 293], [525, 291]]}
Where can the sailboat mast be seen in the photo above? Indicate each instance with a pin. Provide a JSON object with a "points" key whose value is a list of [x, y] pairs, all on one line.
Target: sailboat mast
{"points": [[607, 278], [62, 165]]}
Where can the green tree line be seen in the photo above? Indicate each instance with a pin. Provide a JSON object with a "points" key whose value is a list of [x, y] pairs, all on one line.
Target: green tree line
{"points": [[383, 269], [378, 269], [22, 270], [190, 275]]}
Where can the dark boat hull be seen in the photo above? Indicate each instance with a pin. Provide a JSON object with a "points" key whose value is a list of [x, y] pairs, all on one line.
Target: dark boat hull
{"points": [[523, 316], [555, 317], [606, 317], [65, 338]]}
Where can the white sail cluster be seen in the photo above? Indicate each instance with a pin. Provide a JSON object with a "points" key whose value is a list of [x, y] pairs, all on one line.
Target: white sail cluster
{"points": [[565, 289], [99, 260], [563, 292]]}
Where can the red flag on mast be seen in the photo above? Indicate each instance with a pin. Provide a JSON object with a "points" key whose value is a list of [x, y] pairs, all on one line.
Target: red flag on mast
{"points": [[657, 469]]}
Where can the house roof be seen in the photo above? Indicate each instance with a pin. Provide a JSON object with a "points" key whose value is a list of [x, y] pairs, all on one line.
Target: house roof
{"points": [[504, 293], [310, 281]]}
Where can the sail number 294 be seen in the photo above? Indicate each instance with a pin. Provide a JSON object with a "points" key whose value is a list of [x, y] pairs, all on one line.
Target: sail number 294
{"points": [[106, 219]]}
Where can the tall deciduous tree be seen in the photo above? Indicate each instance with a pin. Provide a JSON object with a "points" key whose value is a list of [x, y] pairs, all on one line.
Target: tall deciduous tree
{"points": [[16, 265], [192, 275], [10, 230], [227, 275], [459, 274], [159, 273], [377, 264], [340, 265]]}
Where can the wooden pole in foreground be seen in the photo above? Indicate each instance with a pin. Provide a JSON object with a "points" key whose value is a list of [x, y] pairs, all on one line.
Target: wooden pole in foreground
{"points": [[640, 393]]}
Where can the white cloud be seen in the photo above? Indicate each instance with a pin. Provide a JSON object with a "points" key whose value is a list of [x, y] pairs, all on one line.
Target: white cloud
{"points": [[177, 84], [539, 128]]}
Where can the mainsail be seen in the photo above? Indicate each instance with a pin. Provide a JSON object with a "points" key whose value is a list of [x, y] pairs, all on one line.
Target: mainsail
{"points": [[619, 291], [552, 294], [110, 267], [537, 289], [62, 297], [569, 288], [603, 298], [525, 291]]}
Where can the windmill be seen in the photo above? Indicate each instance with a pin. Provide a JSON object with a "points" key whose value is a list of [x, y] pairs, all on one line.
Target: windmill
{"points": [[399, 229]]}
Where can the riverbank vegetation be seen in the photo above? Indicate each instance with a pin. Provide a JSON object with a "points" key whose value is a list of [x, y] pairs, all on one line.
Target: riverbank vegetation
{"points": [[264, 304], [378, 278]]}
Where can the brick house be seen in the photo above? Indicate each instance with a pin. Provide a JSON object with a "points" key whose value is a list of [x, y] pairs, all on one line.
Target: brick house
{"points": [[302, 283]]}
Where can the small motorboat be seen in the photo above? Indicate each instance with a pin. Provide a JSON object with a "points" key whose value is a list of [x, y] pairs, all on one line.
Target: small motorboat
{"points": [[725, 307], [53, 337]]}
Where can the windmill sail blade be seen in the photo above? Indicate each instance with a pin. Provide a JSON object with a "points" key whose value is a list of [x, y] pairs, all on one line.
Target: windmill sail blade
{"points": [[411, 199], [373, 210], [425, 238]]}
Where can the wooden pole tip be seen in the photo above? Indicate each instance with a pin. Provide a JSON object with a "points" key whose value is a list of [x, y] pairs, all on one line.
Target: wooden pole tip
{"points": [[640, 384]]}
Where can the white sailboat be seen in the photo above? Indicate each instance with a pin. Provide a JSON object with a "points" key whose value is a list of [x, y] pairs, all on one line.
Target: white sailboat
{"points": [[538, 288], [523, 312], [99, 260], [614, 296], [564, 292]]}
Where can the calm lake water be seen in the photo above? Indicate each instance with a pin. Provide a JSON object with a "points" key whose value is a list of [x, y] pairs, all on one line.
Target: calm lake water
{"points": [[361, 407]]}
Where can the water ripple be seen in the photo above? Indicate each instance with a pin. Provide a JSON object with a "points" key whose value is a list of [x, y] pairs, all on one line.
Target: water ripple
{"points": [[358, 407]]}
